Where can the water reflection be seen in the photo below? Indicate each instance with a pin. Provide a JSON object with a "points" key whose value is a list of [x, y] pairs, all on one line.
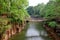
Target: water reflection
{"points": [[36, 34], [33, 33]]}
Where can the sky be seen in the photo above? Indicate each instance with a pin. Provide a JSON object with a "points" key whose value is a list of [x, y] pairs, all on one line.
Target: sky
{"points": [[36, 2]]}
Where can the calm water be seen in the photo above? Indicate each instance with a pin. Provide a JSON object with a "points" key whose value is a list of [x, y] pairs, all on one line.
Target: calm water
{"points": [[34, 32]]}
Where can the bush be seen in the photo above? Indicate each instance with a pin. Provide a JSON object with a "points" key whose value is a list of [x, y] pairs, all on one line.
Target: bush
{"points": [[52, 24]]}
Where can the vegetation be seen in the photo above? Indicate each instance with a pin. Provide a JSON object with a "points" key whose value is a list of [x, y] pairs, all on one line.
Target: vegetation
{"points": [[50, 11], [52, 24], [15, 10], [36, 10]]}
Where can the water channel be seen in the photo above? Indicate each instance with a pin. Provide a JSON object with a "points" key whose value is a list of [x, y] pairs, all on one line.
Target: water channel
{"points": [[34, 32]]}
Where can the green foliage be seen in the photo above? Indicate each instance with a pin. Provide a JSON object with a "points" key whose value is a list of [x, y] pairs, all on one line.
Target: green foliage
{"points": [[30, 10], [36, 10], [16, 10], [3, 25], [52, 9], [52, 24]]}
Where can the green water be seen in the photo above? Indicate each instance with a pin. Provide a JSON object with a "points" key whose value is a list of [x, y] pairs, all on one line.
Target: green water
{"points": [[32, 31]]}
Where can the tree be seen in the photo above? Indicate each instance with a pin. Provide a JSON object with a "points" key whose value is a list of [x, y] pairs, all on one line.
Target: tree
{"points": [[36, 10], [30, 10], [51, 10], [16, 10]]}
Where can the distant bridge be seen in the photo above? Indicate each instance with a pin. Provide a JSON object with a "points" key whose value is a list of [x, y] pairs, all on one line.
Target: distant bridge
{"points": [[35, 19]]}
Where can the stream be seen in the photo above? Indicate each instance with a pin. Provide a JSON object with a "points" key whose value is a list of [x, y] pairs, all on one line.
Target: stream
{"points": [[34, 34], [34, 31]]}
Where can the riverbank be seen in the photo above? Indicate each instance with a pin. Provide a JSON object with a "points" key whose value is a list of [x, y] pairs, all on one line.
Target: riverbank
{"points": [[18, 36], [15, 29], [21, 35]]}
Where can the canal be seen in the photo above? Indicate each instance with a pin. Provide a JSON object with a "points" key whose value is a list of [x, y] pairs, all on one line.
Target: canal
{"points": [[33, 31]]}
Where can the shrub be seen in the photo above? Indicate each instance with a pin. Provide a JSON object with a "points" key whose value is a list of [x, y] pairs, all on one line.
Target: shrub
{"points": [[52, 24]]}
